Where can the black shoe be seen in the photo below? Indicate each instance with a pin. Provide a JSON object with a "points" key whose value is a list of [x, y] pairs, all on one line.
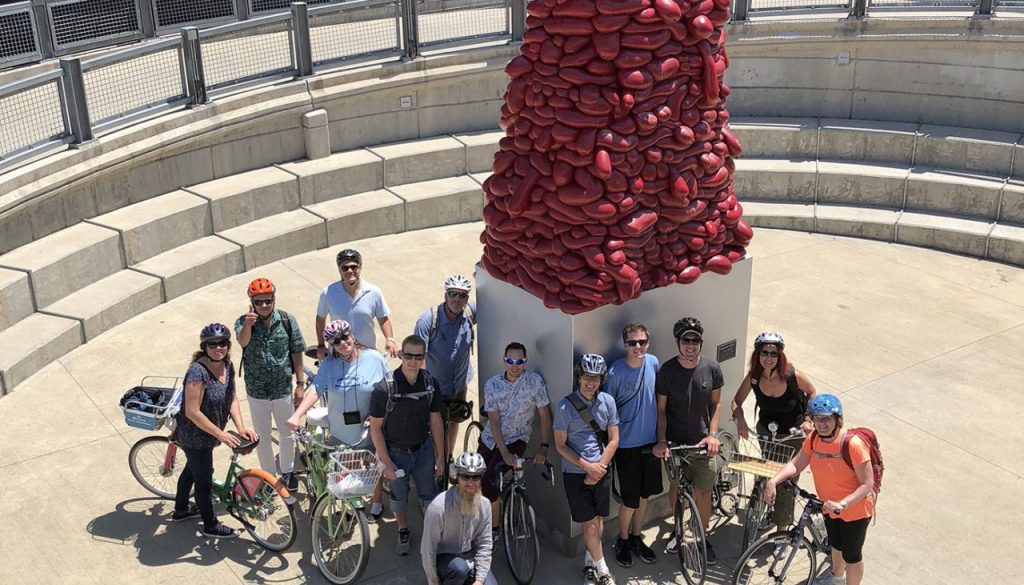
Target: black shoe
{"points": [[290, 481], [636, 543], [712, 557], [372, 517], [622, 554], [190, 513], [589, 575], [403, 546], [221, 530]]}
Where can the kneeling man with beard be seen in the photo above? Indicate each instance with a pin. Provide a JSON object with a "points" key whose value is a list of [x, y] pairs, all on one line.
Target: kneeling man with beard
{"points": [[456, 546]]}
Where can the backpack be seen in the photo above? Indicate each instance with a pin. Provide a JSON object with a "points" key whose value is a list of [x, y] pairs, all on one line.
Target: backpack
{"points": [[468, 313], [286, 320], [393, 396], [870, 439]]}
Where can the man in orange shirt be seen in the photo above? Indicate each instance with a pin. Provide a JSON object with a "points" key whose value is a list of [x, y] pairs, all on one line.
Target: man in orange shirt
{"points": [[847, 493]]}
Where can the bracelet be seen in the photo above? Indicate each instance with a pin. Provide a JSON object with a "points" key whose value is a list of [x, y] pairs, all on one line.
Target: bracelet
{"points": [[391, 339]]}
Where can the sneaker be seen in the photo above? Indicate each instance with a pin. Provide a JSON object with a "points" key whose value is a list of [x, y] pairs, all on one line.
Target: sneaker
{"points": [[221, 530], [190, 513], [827, 578], [402, 547], [589, 575], [376, 511], [623, 556], [636, 543], [711, 556], [290, 481], [672, 547], [606, 579]]}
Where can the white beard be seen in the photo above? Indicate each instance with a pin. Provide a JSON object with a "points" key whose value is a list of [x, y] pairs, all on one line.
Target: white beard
{"points": [[469, 505]]}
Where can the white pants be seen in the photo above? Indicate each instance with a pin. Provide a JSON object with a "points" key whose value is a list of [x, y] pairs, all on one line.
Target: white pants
{"points": [[281, 409]]}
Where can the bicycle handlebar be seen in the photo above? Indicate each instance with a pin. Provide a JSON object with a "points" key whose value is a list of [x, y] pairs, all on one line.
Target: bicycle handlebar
{"points": [[304, 436], [547, 474], [681, 449]]}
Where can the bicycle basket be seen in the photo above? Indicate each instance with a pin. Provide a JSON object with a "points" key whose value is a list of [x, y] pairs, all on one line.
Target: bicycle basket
{"points": [[759, 457], [150, 407], [356, 473]]}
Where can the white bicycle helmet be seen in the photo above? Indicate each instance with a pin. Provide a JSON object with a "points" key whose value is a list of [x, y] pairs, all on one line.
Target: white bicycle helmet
{"points": [[470, 463], [458, 282], [770, 337], [591, 363], [336, 328]]}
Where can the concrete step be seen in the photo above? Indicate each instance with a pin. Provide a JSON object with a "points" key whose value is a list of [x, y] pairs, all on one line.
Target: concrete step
{"points": [[338, 175], [951, 234], [32, 343], [982, 151], [248, 196], [862, 140], [786, 216], [109, 302], [364, 215], [856, 222], [153, 226], [1006, 244], [194, 265], [480, 149], [1011, 209], [279, 236], [785, 138], [421, 160], [959, 194], [768, 179], [441, 202], [67, 261], [15, 297], [871, 185]]}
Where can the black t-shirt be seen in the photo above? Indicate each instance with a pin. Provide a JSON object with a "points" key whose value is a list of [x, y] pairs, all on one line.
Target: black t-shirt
{"points": [[408, 425], [687, 411]]}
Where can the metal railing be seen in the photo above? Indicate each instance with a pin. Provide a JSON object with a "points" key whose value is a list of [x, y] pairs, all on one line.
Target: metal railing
{"points": [[19, 42], [744, 9]]}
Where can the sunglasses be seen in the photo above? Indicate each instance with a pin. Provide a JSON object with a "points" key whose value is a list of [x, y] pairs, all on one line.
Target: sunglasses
{"points": [[412, 357], [690, 340], [770, 354], [218, 344], [515, 361], [821, 419], [457, 295], [474, 478], [349, 267], [263, 302], [636, 342], [340, 339]]}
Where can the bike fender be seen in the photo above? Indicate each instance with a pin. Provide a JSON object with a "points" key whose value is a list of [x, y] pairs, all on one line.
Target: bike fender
{"points": [[269, 478]]}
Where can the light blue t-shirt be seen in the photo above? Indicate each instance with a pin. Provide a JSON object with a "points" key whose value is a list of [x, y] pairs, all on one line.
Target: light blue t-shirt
{"points": [[579, 436], [448, 352], [349, 386], [633, 391], [361, 311]]}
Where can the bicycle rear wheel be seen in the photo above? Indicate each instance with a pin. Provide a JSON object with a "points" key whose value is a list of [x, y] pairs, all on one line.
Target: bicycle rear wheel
{"points": [[754, 516], [519, 528], [774, 560], [690, 540], [341, 539], [266, 516], [471, 437], [156, 463]]}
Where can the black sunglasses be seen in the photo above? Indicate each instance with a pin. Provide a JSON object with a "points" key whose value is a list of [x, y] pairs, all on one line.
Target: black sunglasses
{"points": [[769, 354], [470, 477], [349, 267], [457, 295], [263, 302], [340, 339], [636, 342], [413, 357], [690, 340], [218, 343]]}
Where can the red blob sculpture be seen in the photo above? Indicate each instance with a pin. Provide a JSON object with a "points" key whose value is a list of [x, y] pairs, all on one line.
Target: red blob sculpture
{"points": [[615, 174]]}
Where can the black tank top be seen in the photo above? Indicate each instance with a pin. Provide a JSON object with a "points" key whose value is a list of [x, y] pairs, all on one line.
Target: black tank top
{"points": [[787, 410]]}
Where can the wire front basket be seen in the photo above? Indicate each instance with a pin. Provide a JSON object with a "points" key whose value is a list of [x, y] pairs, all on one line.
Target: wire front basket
{"points": [[759, 456], [356, 473]]}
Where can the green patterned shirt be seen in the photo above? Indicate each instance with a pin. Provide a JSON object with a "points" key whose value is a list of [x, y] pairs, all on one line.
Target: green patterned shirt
{"points": [[266, 361]]}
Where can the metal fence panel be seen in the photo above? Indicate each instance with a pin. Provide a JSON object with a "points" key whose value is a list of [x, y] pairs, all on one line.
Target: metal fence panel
{"points": [[31, 117], [355, 31], [247, 51], [18, 40], [1009, 4], [781, 5], [923, 4], [173, 13], [134, 82], [451, 21], [76, 23], [274, 6]]}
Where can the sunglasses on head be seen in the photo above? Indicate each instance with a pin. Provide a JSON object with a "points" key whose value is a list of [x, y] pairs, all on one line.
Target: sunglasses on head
{"points": [[465, 477], [636, 342], [263, 302], [217, 343], [515, 361], [349, 267], [340, 339], [454, 294], [690, 340], [412, 357]]}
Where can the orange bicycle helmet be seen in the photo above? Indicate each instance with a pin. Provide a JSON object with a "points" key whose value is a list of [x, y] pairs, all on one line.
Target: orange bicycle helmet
{"points": [[261, 286]]}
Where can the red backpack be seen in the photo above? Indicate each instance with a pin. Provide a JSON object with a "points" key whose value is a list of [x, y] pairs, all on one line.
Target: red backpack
{"points": [[871, 440]]}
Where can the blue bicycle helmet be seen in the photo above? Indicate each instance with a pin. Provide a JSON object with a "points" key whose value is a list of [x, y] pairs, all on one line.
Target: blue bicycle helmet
{"points": [[214, 331], [824, 404]]}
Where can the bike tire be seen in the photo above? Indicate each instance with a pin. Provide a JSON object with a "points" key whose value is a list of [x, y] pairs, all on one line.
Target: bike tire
{"points": [[268, 518], [690, 536], [519, 529], [773, 560], [753, 516], [341, 539], [146, 461], [471, 437]]}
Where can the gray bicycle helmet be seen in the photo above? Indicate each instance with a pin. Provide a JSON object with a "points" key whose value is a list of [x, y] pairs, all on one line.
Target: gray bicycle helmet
{"points": [[770, 337], [470, 463], [214, 331], [458, 282], [686, 325], [349, 254]]}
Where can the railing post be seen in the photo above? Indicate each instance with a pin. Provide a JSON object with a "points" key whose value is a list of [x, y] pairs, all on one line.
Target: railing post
{"points": [[303, 45], [859, 8], [242, 10], [43, 28], [985, 8], [411, 29], [147, 18], [74, 92], [192, 54], [518, 19], [740, 10]]}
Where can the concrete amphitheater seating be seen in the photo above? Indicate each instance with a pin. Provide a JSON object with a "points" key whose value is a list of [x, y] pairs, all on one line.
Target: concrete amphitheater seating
{"points": [[951, 189]]}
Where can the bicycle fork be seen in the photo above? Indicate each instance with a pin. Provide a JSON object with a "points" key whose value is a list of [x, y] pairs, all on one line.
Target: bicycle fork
{"points": [[168, 467]]}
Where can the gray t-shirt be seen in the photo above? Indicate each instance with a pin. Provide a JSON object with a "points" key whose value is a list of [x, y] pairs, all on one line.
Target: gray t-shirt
{"points": [[687, 411]]}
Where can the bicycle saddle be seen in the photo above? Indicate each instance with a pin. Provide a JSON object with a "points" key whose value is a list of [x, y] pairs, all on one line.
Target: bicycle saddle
{"points": [[245, 446], [317, 417]]}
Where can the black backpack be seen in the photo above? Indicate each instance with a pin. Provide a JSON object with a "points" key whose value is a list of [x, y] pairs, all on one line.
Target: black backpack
{"points": [[393, 395]]}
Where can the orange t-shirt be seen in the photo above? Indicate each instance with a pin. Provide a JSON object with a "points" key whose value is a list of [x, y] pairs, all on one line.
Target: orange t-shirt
{"points": [[833, 478]]}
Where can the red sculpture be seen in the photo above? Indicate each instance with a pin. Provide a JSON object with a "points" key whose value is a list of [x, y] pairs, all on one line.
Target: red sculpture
{"points": [[615, 175]]}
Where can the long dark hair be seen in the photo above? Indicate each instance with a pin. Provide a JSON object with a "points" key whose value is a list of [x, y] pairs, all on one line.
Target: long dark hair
{"points": [[782, 366], [202, 352]]}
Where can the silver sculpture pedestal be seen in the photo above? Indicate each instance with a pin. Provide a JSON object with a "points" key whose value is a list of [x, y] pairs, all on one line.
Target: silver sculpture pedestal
{"points": [[554, 340]]}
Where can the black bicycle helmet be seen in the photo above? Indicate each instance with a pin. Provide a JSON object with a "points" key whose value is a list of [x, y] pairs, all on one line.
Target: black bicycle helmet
{"points": [[214, 331], [686, 325], [349, 254]]}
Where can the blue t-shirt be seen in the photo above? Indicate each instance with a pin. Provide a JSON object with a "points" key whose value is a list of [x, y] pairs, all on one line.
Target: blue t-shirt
{"points": [[633, 391], [361, 312], [349, 386], [580, 437], [448, 352]]}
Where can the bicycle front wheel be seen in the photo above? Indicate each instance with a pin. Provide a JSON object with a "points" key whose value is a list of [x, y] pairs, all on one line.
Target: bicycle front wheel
{"points": [[156, 463], [471, 438], [690, 540], [519, 528], [267, 517], [754, 516], [774, 560], [730, 483], [341, 539]]}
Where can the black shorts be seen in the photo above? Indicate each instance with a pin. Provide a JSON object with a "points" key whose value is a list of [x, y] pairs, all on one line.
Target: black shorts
{"points": [[490, 483], [639, 473], [847, 537], [586, 501]]}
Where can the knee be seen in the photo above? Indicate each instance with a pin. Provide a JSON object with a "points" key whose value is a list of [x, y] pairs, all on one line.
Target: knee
{"points": [[457, 571]]}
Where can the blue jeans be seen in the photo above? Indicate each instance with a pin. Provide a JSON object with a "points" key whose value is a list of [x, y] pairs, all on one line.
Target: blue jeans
{"points": [[420, 467], [456, 570]]}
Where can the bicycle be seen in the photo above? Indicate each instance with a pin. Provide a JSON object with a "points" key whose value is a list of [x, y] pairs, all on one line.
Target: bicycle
{"points": [[786, 556], [518, 521], [689, 529], [252, 496], [337, 478], [729, 483]]}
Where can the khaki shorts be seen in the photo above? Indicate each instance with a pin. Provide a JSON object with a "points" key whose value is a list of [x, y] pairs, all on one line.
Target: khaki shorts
{"points": [[701, 470]]}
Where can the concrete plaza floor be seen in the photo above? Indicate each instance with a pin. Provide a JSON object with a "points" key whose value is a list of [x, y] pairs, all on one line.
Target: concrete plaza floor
{"points": [[924, 347]]}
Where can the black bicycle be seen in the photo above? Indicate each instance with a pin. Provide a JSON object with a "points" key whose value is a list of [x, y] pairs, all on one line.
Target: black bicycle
{"points": [[518, 521], [689, 529]]}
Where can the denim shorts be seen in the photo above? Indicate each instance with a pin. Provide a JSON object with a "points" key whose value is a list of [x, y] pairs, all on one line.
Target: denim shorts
{"points": [[418, 466]]}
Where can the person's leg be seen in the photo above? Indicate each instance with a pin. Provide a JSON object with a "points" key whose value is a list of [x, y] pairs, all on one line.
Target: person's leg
{"points": [[185, 483], [833, 528], [650, 485], [200, 464], [283, 409], [261, 411], [452, 569], [423, 474], [400, 487], [490, 483], [853, 537]]}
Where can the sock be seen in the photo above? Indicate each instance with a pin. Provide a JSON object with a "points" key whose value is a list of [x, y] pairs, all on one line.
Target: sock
{"points": [[376, 508], [588, 560], [601, 567]]}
